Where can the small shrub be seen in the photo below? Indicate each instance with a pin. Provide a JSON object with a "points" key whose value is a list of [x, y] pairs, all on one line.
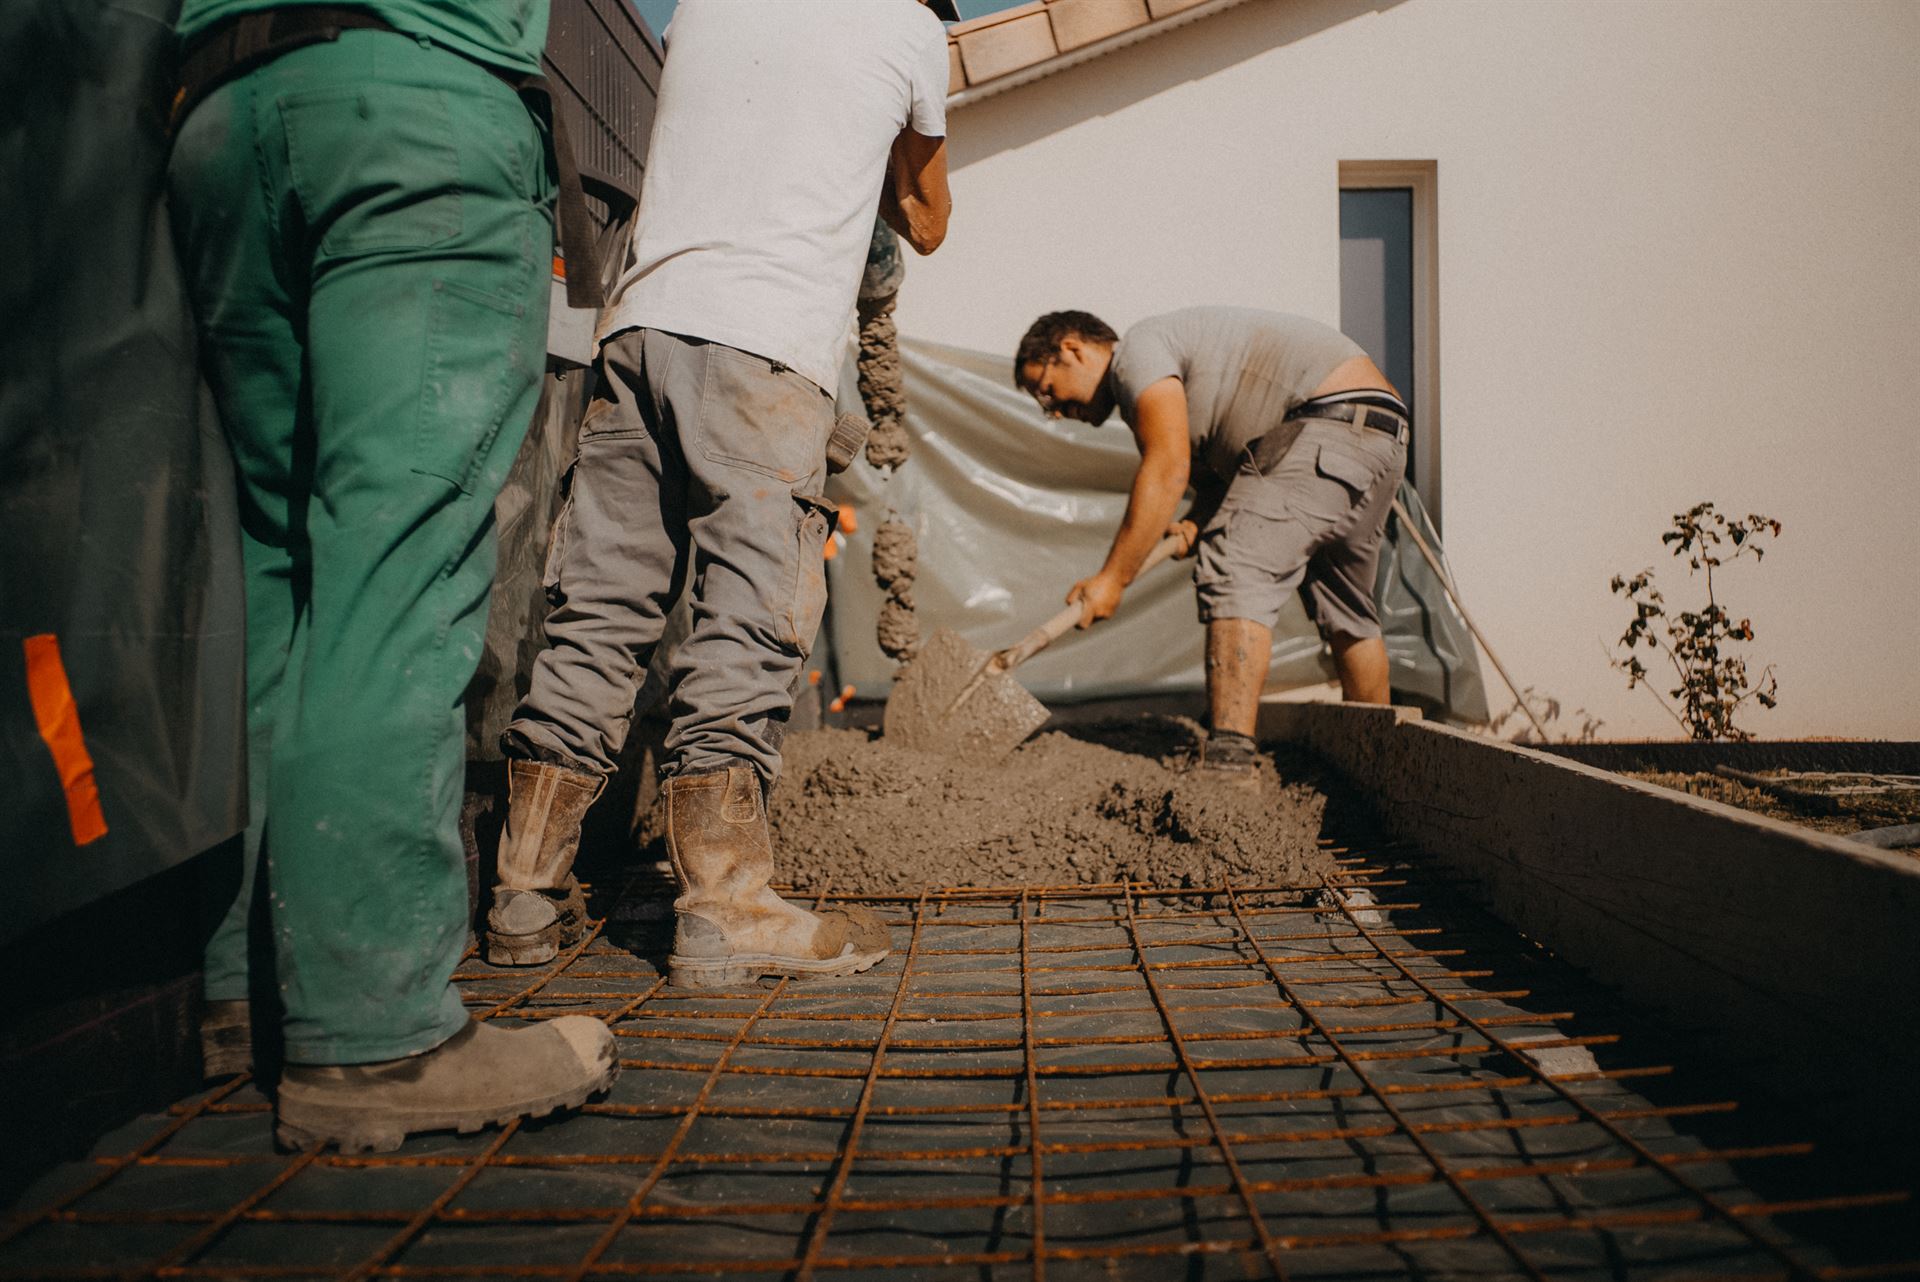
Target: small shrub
{"points": [[1713, 683], [1515, 726]]}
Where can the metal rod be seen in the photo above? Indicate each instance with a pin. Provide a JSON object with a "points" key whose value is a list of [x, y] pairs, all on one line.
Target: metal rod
{"points": [[1217, 1133], [837, 1189], [1350, 1003], [1446, 585], [1352, 1060], [1038, 1236], [1793, 1265]]}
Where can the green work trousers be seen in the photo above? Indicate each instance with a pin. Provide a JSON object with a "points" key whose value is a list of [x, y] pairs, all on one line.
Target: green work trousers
{"points": [[366, 228]]}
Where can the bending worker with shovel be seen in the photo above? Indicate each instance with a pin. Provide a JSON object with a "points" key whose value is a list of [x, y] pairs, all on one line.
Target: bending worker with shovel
{"points": [[1294, 443]]}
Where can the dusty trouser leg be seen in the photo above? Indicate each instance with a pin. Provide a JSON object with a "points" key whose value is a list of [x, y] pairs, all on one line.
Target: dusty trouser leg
{"points": [[399, 269], [754, 439], [753, 436], [617, 552], [617, 549]]}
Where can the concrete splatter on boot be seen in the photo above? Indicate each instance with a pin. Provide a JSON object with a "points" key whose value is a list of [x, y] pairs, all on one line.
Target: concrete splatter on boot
{"points": [[538, 909], [729, 928], [484, 1075]]}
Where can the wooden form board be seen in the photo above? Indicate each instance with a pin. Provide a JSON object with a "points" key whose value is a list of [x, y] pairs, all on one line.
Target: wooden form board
{"points": [[1795, 951]]}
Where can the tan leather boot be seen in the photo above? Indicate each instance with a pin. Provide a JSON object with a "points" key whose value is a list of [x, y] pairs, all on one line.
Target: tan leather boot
{"points": [[728, 927], [484, 1075], [537, 905]]}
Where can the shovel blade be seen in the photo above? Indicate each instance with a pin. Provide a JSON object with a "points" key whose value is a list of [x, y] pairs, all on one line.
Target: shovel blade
{"points": [[990, 723]]}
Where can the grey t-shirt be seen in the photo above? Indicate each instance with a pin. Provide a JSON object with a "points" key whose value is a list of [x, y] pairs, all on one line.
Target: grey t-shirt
{"points": [[1242, 368]]}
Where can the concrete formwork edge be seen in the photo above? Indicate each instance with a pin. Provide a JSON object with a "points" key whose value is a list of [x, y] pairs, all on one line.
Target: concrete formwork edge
{"points": [[1796, 952]]}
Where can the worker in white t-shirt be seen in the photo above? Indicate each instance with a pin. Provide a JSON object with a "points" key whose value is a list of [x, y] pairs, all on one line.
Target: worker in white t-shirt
{"points": [[779, 128]]}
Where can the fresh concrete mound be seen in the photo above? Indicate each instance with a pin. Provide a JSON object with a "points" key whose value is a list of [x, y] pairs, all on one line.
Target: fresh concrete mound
{"points": [[1100, 803]]}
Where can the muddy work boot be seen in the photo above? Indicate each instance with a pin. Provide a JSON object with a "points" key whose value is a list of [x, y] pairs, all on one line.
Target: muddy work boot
{"points": [[538, 909], [483, 1075], [729, 929], [1230, 757]]}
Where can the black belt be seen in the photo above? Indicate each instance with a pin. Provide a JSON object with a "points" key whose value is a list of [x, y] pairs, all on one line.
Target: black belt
{"points": [[1270, 447], [1358, 413], [240, 44]]}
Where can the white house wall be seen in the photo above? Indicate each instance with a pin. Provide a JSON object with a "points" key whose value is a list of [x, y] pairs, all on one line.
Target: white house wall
{"points": [[1679, 260]]}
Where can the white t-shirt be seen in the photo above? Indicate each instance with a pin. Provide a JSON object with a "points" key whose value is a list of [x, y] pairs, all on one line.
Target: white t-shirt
{"points": [[775, 122]]}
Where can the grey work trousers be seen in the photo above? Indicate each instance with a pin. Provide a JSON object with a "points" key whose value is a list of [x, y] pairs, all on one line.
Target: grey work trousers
{"points": [[698, 464]]}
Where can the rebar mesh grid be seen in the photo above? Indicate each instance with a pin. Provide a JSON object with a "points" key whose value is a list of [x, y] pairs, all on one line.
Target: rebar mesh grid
{"points": [[1049, 1082]]}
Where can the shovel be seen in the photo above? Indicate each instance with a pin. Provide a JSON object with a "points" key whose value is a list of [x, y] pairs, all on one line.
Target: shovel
{"points": [[960, 701]]}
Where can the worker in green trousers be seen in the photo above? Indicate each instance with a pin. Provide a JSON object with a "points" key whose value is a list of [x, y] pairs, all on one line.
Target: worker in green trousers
{"points": [[365, 220]]}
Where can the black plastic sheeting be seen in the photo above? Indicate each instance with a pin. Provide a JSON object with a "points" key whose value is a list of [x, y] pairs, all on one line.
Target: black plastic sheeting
{"points": [[118, 530]]}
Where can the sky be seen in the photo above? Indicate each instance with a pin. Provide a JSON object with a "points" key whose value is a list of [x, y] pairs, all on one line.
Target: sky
{"points": [[656, 12]]}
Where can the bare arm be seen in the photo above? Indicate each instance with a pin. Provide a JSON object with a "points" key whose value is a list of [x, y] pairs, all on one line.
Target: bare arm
{"points": [[914, 198], [1165, 455]]}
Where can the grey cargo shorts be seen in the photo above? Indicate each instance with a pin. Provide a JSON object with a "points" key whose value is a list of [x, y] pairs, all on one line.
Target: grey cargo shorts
{"points": [[1311, 525]]}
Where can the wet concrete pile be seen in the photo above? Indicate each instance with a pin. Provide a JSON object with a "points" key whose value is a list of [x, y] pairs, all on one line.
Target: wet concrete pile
{"points": [[1099, 803]]}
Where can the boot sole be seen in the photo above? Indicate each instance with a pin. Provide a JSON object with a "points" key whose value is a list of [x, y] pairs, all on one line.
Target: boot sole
{"points": [[726, 972], [217, 1066], [358, 1131], [529, 950]]}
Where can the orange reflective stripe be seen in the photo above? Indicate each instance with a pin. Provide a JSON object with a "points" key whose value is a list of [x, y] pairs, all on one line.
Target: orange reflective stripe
{"points": [[58, 718]]}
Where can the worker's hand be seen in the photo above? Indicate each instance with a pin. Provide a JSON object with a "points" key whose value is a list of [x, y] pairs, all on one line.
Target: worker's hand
{"points": [[1098, 596], [1189, 536]]}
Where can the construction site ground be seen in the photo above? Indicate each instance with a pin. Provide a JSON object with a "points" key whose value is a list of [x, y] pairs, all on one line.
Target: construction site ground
{"points": [[1347, 1071]]}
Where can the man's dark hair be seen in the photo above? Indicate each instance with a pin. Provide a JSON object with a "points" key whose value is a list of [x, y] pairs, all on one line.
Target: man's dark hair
{"points": [[1044, 336]]}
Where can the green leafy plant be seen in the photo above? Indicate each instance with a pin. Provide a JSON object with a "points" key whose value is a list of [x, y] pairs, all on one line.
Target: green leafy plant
{"points": [[1713, 682]]}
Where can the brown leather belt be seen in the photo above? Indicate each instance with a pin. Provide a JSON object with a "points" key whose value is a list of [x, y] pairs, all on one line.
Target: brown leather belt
{"points": [[247, 41]]}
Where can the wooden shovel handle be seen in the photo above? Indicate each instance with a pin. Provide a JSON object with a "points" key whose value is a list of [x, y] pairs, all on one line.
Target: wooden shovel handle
{"points": [[1060, 624]]}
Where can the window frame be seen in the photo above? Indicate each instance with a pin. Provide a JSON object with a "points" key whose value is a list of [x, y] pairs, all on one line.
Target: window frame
{"points": [[1422, 177]]}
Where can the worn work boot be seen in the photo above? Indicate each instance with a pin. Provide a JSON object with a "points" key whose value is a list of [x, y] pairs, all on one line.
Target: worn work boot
{"points": [[729, 929], [483, 1075], [1230, 757], [537, 905], [226, 1039]]}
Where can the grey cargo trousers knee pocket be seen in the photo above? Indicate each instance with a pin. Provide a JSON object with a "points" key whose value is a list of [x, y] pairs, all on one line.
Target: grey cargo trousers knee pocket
{"points": [[701, 465]]}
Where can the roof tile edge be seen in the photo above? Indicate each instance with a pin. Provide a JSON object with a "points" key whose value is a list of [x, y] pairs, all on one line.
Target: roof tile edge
{"points": [[1005, 56]]}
